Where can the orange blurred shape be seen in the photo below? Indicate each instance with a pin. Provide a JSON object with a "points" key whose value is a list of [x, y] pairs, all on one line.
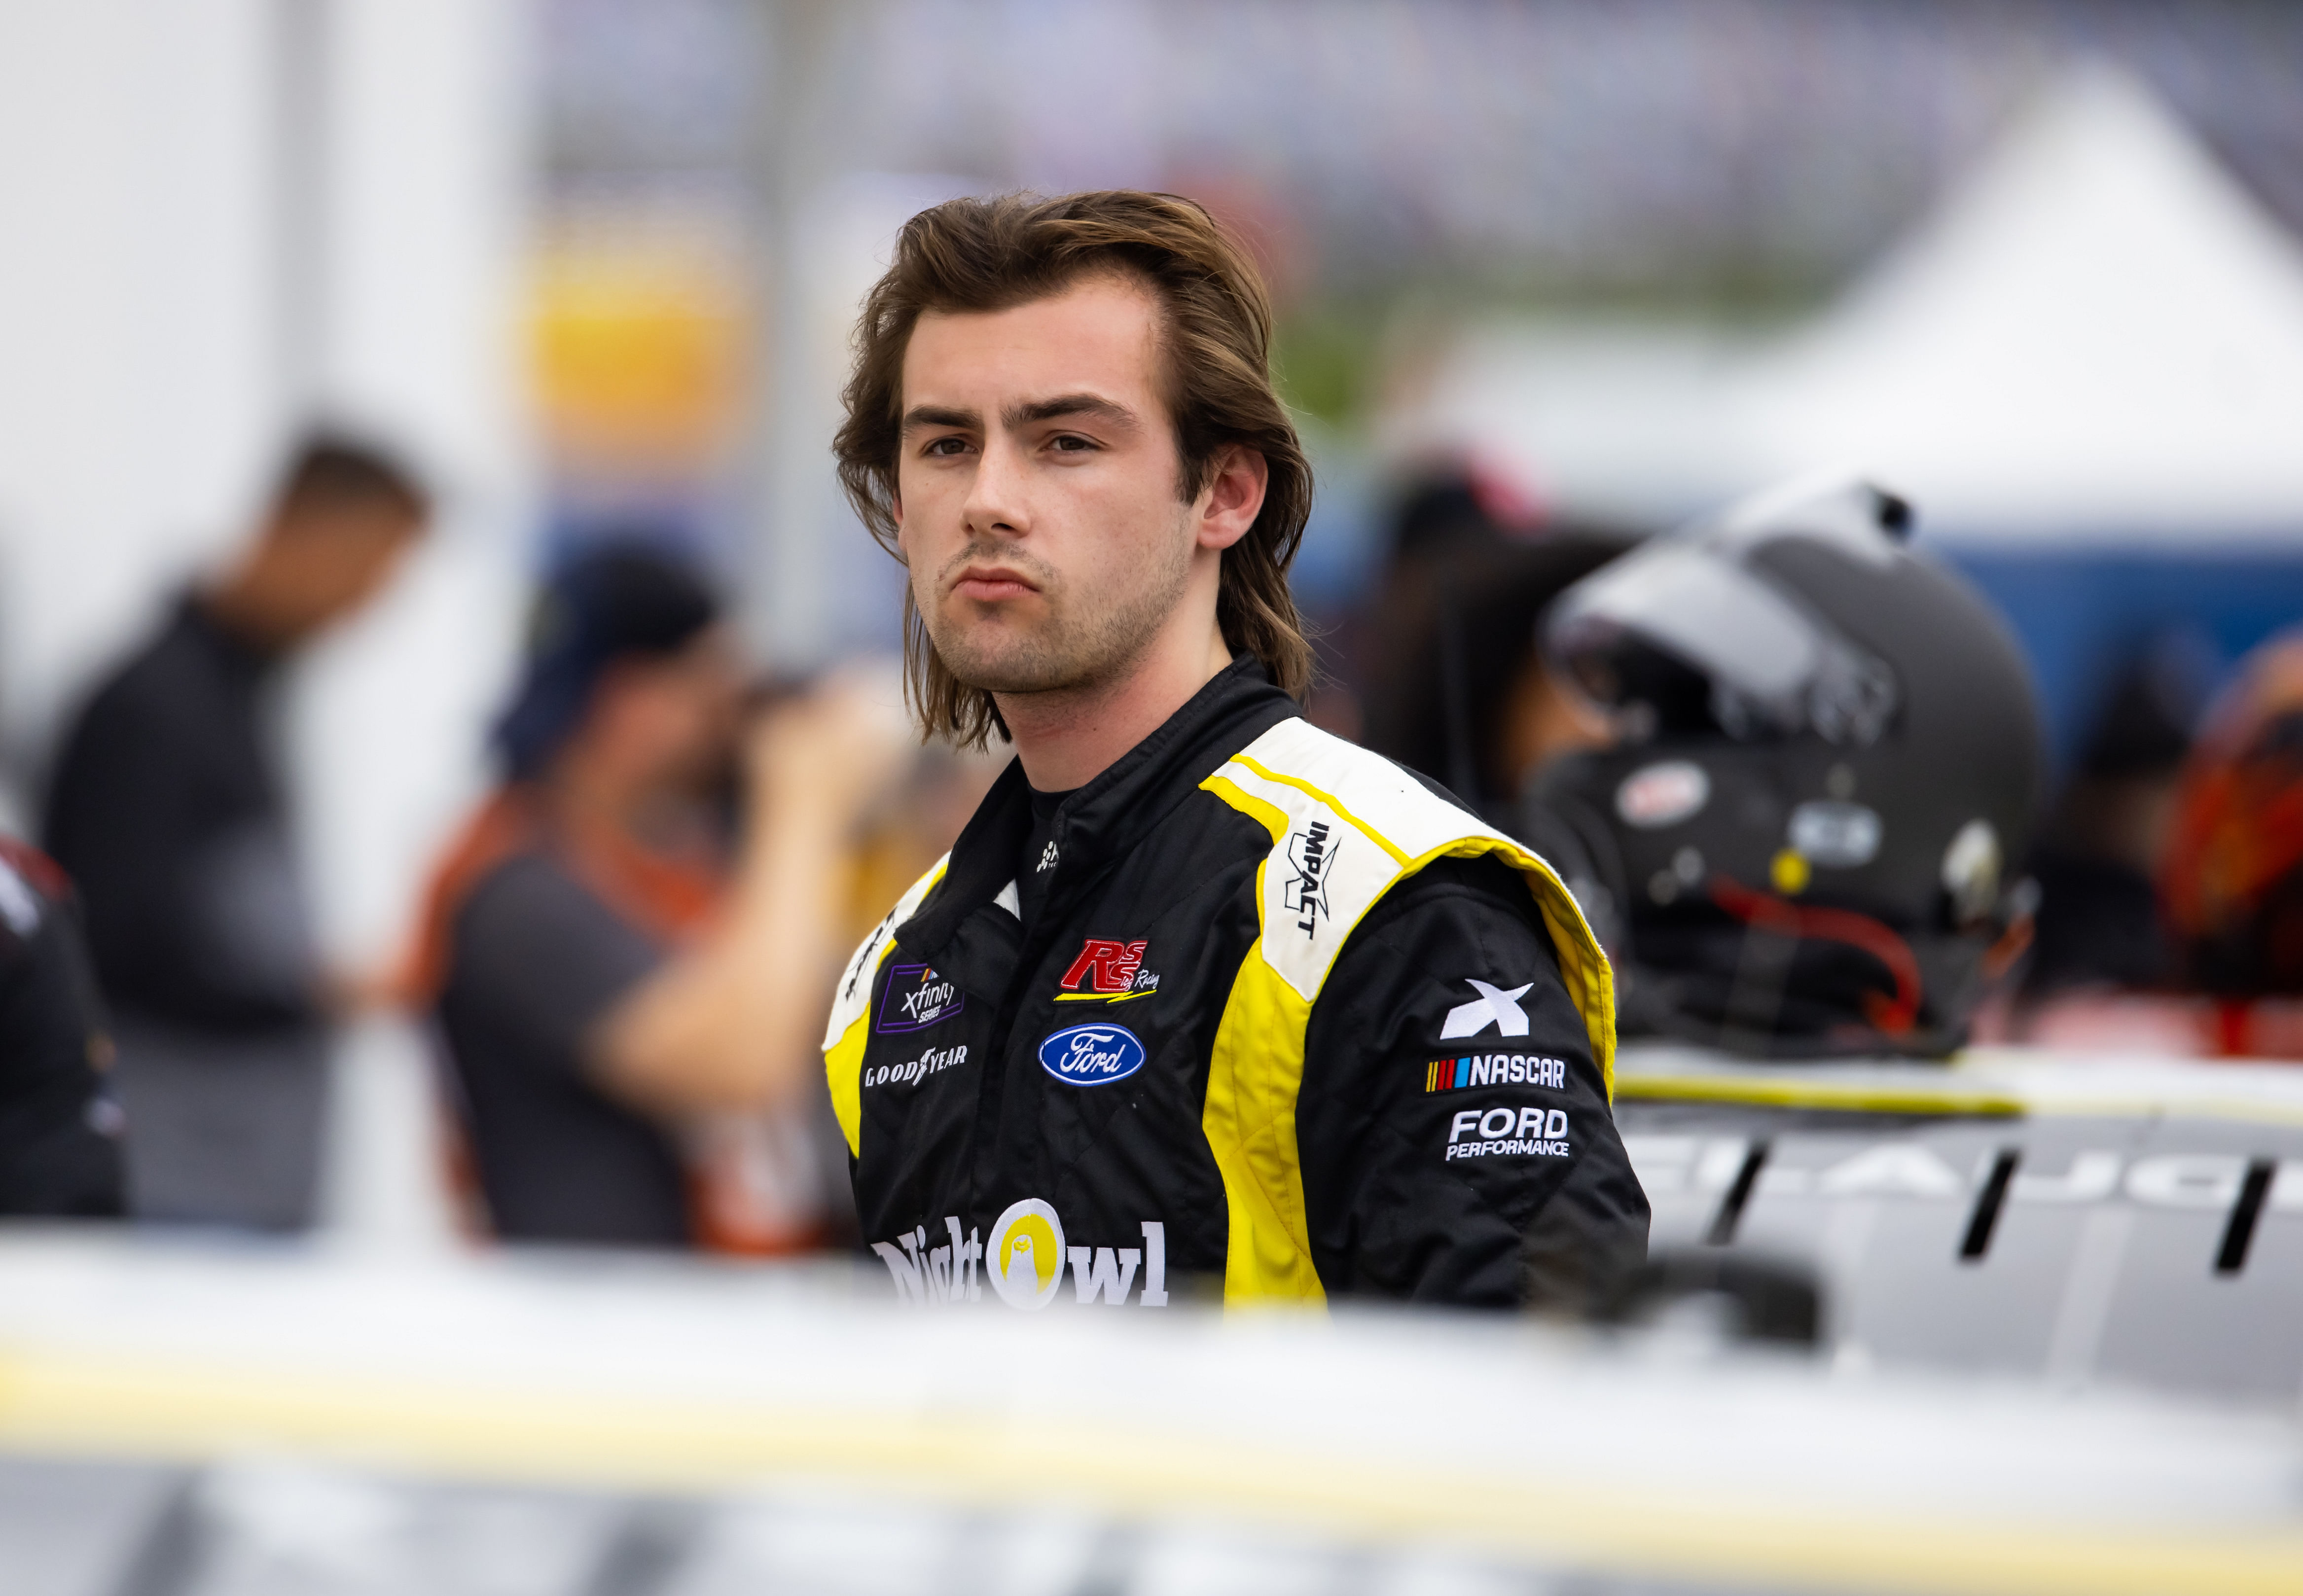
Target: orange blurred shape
{"points": [[637, 355]]}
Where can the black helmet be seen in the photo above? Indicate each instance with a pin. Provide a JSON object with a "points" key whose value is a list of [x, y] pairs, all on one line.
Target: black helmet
{"points": [[1829, 755]]}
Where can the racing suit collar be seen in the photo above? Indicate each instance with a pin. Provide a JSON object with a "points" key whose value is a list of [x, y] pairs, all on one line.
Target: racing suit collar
{"points": [[1103, 819]]}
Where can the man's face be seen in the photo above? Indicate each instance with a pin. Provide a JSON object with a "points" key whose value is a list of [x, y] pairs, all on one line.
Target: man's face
{"points": [[1037, 489], [331, 561], [673, 717]]}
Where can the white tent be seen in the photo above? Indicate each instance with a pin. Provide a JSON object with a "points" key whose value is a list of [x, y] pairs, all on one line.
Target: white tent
{"points": [[2097, 337]]}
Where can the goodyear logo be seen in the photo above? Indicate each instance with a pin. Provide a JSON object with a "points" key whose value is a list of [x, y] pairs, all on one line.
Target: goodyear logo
{"points": [[1091, 1055], [1025, 1254], [1493, 1068]]}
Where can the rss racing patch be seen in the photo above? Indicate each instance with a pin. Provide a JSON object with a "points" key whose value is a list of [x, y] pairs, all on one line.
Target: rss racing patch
{"points": [[1108, 970]]}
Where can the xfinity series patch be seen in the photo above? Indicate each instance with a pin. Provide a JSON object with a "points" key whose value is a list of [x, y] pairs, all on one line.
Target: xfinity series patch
{"points": [[1494, 1069], [1091, 1055], [1509, 1132], [916, 998]]}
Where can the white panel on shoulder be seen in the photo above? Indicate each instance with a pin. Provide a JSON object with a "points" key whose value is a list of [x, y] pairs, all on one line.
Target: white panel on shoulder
{"points": [[855, 994], [1355, 821]]}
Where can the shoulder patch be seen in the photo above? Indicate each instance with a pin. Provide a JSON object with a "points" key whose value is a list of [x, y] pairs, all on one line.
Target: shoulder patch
{"points": [[854, 994], [1346, 825]]}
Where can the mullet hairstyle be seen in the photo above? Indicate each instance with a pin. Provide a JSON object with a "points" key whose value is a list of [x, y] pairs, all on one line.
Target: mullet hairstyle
{"points": [[974, 256]]}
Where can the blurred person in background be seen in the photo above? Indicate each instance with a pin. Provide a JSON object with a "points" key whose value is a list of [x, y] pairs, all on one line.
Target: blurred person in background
{"points": [[1193, 1004], [2104, 842], [630, 1006], [167, 809], [1827, 758], [59, 1124], [2233, 883], [1459, 689]]}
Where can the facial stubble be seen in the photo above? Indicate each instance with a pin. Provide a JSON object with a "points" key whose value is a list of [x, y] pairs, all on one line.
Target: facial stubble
{"points": [[1078, 646]]}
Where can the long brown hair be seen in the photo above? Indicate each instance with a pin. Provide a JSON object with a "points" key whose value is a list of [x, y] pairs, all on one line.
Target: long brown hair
{"points": [[989, 254]]}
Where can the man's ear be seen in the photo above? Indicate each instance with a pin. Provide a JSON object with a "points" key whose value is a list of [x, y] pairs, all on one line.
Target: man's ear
{"points": [[1234, 497]]}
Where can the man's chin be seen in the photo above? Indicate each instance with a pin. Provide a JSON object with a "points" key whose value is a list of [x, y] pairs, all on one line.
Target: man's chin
{"points": [[994, 659], [1011, 676]]}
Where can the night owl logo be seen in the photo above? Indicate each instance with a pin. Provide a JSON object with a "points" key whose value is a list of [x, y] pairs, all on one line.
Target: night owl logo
{"points": [[1025, 1254]]}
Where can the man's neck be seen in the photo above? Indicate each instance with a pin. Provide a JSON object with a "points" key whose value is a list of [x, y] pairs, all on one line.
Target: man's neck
{"points": [[245, 607], [1068, 737]]}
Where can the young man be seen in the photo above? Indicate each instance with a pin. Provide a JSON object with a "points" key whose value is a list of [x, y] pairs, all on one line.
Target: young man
{"points": [[167, 809], [1204, 1000]]}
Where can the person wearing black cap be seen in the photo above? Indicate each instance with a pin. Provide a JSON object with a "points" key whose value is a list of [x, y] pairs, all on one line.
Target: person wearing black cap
{"points": [[607, 982]]}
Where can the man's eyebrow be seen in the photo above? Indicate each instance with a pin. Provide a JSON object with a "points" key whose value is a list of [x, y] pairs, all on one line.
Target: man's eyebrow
{"points": [[1111, 412], [921, 416]]}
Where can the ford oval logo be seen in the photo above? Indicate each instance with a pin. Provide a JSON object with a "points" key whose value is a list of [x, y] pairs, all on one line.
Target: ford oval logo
{"points": [[1091, 1055]]}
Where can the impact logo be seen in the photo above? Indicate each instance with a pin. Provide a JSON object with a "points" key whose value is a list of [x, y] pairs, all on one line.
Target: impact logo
{"points": [[1108, 972], [1313, 852], [1091, 1055], [916, 998]]}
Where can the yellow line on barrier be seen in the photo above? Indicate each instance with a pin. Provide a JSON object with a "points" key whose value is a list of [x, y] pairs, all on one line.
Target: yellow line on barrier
{"points": [[1782, 1091], [56, 1401], [1775, 1091]]}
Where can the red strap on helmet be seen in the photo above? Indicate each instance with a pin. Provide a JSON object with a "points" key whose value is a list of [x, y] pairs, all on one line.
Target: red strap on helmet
{"points": [[1893, 1017]]}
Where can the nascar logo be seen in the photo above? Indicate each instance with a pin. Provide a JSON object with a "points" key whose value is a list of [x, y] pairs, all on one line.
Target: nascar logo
{"points": [[1494, 1069]]}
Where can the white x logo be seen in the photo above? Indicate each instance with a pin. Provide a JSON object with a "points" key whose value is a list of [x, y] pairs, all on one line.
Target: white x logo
{"points": [[1493, 1007]]}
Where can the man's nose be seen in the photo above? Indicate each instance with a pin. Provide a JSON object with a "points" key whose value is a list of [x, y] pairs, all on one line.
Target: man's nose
{"points": [[997, 504]]}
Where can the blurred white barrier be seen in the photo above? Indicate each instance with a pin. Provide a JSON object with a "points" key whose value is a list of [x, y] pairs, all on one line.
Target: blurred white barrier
{"points": [[738, 1429]]}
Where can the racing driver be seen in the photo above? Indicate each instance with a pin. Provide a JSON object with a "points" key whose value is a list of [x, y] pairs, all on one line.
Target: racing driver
{"points": [[1204, 1002]]}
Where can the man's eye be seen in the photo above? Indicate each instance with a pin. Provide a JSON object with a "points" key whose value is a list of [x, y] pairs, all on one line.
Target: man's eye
{"points": [[1071, 443], [946, 447]]}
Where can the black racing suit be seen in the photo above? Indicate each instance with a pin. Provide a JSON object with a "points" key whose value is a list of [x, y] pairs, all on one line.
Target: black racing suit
{"points": [[1274, 1021], [59, 1127]]}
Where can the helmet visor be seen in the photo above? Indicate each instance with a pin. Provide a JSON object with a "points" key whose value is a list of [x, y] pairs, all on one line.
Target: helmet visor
{"points": [[1682, 637]]}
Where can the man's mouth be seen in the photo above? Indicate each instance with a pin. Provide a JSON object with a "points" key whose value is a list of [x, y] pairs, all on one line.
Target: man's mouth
{"points": [[988, 584]]}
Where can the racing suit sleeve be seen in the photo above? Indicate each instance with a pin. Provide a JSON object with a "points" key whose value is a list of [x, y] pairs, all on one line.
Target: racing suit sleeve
{"points": [[1453, 1133], [59, 1127]]}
